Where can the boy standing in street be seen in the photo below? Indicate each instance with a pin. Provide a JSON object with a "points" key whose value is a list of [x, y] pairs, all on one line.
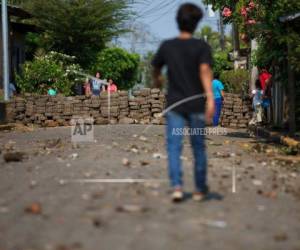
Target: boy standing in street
{"points": [[190, 97], [97, 85]]}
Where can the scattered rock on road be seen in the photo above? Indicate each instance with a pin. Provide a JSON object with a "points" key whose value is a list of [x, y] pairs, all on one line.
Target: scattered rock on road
{"points": [[144, 163], [158, 156], [53, 143], [221, 155], [271, 194], [131, 209], [34, 208], [14, 156], [33, 184], [126, 162], [143, 138], [10, 145], [74, 156], [214, 223], [280, 237], [257, 182], [134, 149], [97, 222]]}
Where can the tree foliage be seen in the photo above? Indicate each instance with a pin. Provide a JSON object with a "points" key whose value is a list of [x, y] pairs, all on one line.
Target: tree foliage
{"points": [[235, 81], [118, 64], [260, 19], [79, 27], [54, 70], [221, 62], [213, 38]]}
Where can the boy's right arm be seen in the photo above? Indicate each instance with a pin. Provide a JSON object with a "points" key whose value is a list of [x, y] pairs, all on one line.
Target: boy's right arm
{"points": [[206, 77]]}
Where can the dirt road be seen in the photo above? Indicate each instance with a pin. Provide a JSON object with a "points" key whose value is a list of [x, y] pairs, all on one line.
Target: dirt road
{"points": [[45, 205]]}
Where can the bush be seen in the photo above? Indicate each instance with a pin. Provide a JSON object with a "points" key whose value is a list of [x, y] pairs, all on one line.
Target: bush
{"points": [[221, 63], [119, 65], [53, 69], [235, 81]]}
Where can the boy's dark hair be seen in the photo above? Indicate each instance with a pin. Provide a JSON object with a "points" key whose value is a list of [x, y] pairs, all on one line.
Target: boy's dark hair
{"points": [[188, 17], [257, 84]]}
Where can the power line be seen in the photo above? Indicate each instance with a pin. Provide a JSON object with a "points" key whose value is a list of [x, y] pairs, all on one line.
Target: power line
{"points": [[163, 14], [151, 11]]}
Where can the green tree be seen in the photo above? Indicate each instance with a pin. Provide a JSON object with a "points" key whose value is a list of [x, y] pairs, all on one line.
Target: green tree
{"points": [[49, 70], [213, 38], [220, 58], [259, 19], [118, 64], [80, 28], [221, 62], [278, 40], [210, 36]]}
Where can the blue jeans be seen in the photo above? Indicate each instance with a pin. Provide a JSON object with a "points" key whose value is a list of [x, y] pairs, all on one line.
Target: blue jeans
{"points": [[218, 104], [175, 126]]}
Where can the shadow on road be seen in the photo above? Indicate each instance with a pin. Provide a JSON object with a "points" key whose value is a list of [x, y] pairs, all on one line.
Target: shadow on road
{"points": [[239, 134], [209, 197]]}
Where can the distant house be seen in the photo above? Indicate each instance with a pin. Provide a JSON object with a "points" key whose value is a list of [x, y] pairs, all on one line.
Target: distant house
{"points": [[17, 34]]}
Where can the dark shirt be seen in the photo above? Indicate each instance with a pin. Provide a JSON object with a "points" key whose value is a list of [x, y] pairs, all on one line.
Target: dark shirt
{"points": [[183, 58], [78, 89]]}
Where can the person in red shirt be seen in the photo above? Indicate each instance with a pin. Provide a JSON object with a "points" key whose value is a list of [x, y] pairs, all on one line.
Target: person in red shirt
{"points": [[264, 78], [265, 81], [112, 87]]}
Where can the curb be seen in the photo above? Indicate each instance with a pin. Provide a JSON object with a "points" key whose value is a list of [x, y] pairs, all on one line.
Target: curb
{"points": [[276, 137]]}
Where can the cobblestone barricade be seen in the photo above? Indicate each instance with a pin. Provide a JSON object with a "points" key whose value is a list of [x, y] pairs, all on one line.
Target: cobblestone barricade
{"points": [[236, 112], [143, 107]]}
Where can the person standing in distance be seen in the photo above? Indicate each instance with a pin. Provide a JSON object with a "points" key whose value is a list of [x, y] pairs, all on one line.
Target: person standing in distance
{"points": [[190, 97], [218, 90], [97, 85]]}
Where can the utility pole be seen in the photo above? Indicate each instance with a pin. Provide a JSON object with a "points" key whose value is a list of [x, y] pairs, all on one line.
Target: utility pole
{"points": [[222, 35], [235, 38], [254, 69], [236, 44], [5, 50]]}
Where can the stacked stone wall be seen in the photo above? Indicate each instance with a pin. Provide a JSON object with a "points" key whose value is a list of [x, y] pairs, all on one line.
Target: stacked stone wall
{"points": [[236, 112], [142, 107]]}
